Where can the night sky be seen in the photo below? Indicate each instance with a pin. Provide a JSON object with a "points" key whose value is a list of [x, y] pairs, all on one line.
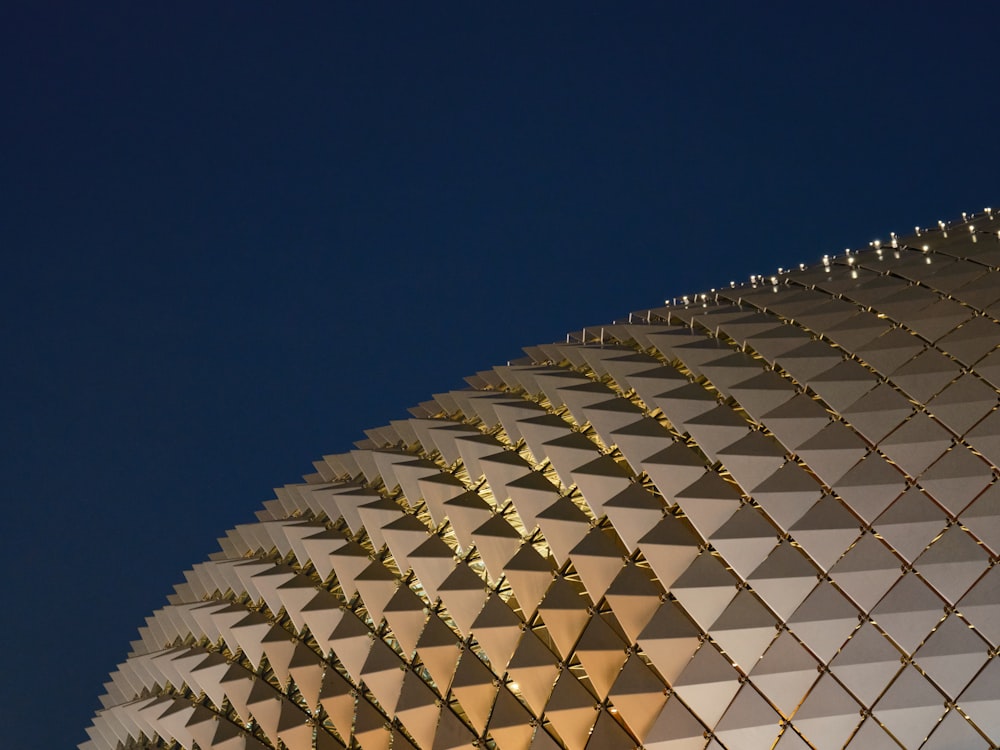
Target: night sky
{"points": [[233, 237]]}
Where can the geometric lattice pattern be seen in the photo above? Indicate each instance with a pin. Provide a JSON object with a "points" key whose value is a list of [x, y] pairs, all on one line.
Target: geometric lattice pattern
{"points": [[763, 517]]}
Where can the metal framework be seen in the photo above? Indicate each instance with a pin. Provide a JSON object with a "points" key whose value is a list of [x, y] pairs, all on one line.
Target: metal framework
{"points": [[763, 517]]}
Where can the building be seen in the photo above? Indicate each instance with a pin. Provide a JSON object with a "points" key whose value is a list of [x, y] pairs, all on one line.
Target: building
{"points": [[763, 517]]}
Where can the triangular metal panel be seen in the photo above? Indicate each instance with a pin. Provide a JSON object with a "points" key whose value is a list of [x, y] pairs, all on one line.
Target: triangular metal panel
{"points": [[749, 723], [910, 708], [676, 728], [956, 478], [708, 684], [828, 716], [785, 673], [866, 571], [871, 486], [744, 630], [634, 596], [638, 695], [866, 664], [571, 709], [784, 579], [952, 655], [670, 640], [824, 621], [787, 494], [909, 612], [952, 563], [916, 444]]}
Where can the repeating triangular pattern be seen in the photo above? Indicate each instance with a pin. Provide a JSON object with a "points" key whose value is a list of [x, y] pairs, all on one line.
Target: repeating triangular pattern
{"points": [[768, 516]]}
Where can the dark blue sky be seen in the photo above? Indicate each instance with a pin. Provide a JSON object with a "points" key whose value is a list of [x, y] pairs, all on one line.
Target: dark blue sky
{"points": [[233, 237]]}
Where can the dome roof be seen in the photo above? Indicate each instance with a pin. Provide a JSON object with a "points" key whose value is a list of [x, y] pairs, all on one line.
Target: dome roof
{"points": [[768, 513]]}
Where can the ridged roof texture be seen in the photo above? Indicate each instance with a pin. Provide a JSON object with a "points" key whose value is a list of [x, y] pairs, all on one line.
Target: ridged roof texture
{"points": [[765, 516]]}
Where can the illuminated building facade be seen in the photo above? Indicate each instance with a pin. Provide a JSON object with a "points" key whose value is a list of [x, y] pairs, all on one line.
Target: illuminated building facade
{"points": [[768, 516]]}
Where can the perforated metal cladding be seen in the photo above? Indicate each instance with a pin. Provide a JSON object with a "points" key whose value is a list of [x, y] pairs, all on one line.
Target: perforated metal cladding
{"points": [[768, 517]]}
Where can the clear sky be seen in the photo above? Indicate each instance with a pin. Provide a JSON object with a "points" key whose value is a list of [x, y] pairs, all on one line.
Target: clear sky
{"points": [[235, 235]]}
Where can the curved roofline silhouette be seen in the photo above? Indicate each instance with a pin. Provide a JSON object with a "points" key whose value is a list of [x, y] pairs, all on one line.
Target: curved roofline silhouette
{"points": [[765, 514]]}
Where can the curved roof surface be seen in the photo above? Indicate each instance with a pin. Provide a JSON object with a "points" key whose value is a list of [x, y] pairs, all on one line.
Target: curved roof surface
{"points": [[766, 514]]}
